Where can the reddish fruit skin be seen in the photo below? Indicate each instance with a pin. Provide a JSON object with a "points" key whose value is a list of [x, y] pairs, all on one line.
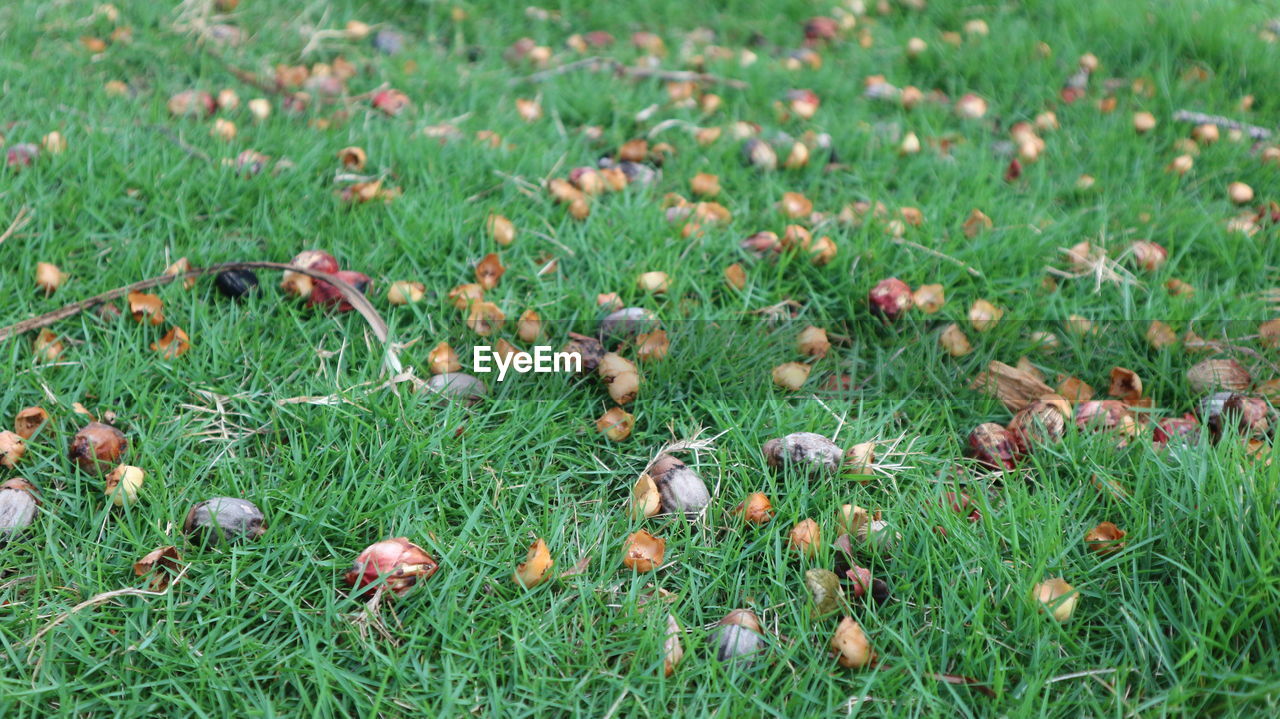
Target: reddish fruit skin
{"points": [[317, 260], [1105, 414], [1251, 415], [991, 445], [325, 294], [890, 298], [820, 29], [860, 578], [390, 101], [402, 562], [1184, 429], [21, 155]]}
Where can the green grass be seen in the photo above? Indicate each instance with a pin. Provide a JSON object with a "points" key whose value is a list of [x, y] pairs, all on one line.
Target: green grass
{"points": [[1182, 622]]}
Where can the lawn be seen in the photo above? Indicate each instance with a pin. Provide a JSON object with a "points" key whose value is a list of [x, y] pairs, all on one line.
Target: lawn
{"points": [[296, 409]]}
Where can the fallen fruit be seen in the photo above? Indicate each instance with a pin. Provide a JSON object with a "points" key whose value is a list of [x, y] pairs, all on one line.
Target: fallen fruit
{"points": [[791, 376], [223, 519], [805, 451], [679, 488], [18, 504], [1056, 597], [616, 424], [398, 562], [97, 447], [890, 298], [643, 552], [29, 421], [851, 646], [12, 447], [123, 484], [1105, 538], [805, 538], [620, 376], [537, 563], [755, 509], [458, 386], [992, 446], [824, 591], [738, 635]]}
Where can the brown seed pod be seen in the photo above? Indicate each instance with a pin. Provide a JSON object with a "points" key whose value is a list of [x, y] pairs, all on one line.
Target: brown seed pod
{"points": [[653, 346], [992, 446], [851, 646], [643, 552], [220, 519], [401, 564], [12, 447], [806, 451], [1105, 538], [679, 488], [457, 386], [589, 350], [537, 563], [18, 504], [1214, 374], [97, 447], [805, 538], [1125, 384], [890, 298], [616, 424], [1038, 424], [29, 421], [1106, 415], [755, 509]]}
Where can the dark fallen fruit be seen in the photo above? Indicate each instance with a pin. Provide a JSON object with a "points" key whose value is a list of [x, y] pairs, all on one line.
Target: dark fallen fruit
{"points": [[398, 562], [679, 488], [97, 448], [220, 519], [236, 284], [589, 349], [804, 450], [18, 503], [890, 298], [324, 294], [458, 386]]}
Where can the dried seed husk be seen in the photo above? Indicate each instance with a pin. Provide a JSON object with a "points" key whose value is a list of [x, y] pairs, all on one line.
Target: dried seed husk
{"points": [[860, 458], [643, 552], [1125, 384], [29, 421], [174, 344], [813, 342], [929, 298], [529, 326], [755, 509], [954, 341], [162, 564], [1184, 430], [457, 386], [983, 315], [146, 308], [627, 323], [652, 346], [738, 635], [791, 376], [123, 484], [463, 296], [220, 519], [489, 270], [49, 278], [12, 448], [19, 502], [536, 566], [851, 646], [1252, 416], [1074, 390], [401, 563], [1056, 598], [588, 349], [807, 451], [735, 276], [1214, 374], [442, 359], [1038, 424], [680, 489], [805, 538], [1015, 388], [616, 424], [620, 376], [502, 230], [485, 318], [992, 446], [403, 292], [97, 447], [824, 590], [1105, 538]]}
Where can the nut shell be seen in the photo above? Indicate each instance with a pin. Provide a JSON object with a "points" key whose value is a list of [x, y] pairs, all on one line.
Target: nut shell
{"points": [[807, 451], [97, 447], [680, 488], [220, 519]]}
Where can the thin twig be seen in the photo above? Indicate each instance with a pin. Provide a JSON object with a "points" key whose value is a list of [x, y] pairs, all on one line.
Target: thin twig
{"points": [[619, 68], [100, 599], [1199, 118], [19, 222], [353, 296], [935, 253]]}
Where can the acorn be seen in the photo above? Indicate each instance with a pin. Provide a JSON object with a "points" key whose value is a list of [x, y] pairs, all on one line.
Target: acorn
{"points": [[123, 484], [458, 386], [399, 563], [1056, 598], [220, 519], [236, 284], [29, 421], [890, 298], [18, 504], [643, 552], [824, 591], [678, 488], [1212, 374], [49, 278], [993, 446], [537, 563], [1039, 423], [12, 447], [97, 447], [616, 424], [738, 635], [806, 451], [851, 646], [755, 509]]}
